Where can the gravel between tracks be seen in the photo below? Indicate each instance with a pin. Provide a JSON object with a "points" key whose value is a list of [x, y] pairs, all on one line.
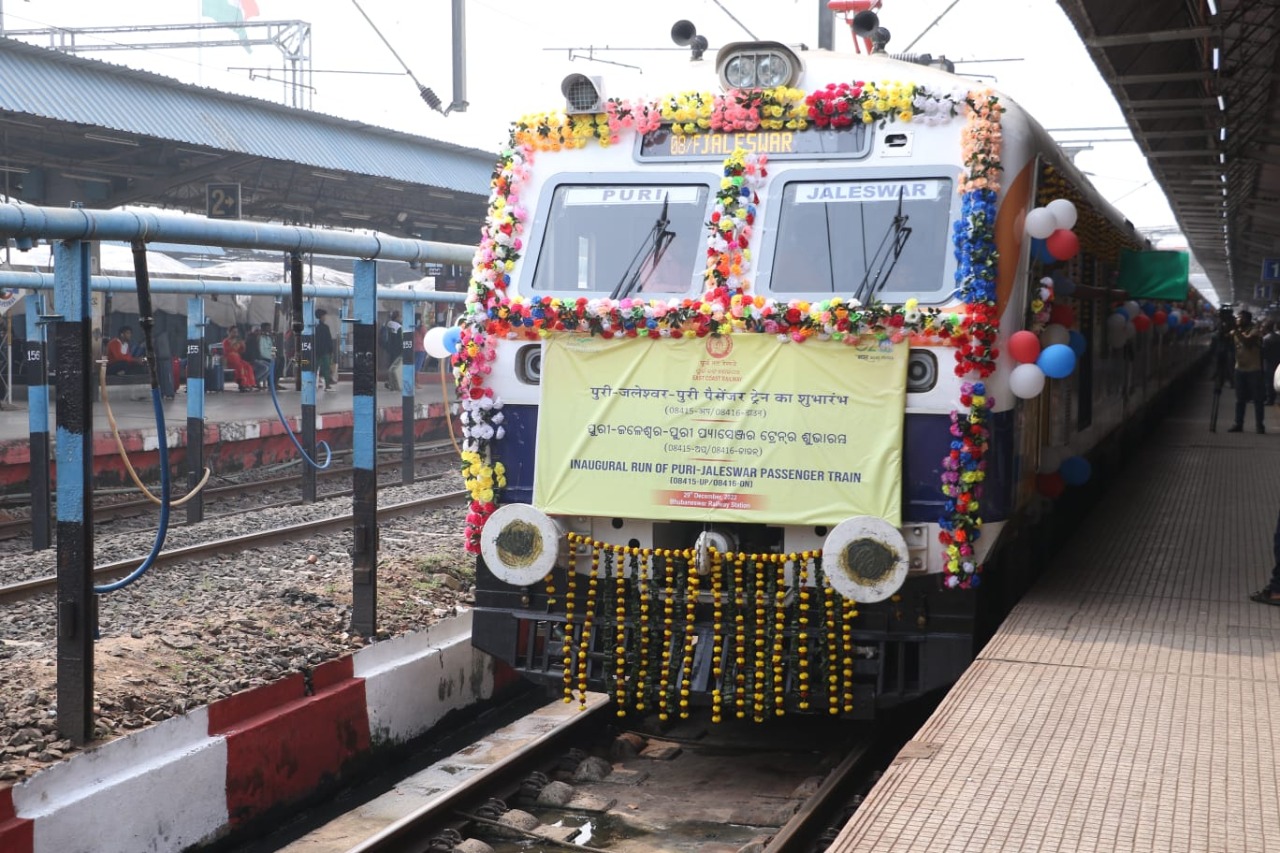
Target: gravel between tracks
{"points": [[187, 634]]}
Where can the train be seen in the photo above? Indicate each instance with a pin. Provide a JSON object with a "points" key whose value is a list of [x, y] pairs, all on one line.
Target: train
{"points": [[765, 376]]}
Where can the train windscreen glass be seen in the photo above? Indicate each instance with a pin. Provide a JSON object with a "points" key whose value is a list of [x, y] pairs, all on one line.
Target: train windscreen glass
{"points": [[886, 238], [622, 240]]}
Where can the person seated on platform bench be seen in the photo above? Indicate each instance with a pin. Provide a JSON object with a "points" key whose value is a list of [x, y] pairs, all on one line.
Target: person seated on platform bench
{"points": [[120, 357], [233, 353]]}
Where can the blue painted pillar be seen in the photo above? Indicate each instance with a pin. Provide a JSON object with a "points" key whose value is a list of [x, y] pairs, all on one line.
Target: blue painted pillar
{"points": [[364, 392], [36, 372], [407, 381], [76, 616], [307, 366], [195, 406]]}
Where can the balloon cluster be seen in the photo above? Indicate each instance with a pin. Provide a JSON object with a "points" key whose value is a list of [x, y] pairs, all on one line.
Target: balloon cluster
{"points": [[1130, 319], [1052, 355], [1055, 476], [442, 341], [1049, 228]]}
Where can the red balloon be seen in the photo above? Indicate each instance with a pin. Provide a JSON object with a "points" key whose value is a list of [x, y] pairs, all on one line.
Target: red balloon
{"points": [[1160, 318], [1063, 315], [1063, 244], [1024, 346], [1141, 323], [1051, 485]]}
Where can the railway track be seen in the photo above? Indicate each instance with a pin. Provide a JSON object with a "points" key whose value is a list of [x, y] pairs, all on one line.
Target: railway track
{"points": [[779, 788], [109, 510], [110, 571]]}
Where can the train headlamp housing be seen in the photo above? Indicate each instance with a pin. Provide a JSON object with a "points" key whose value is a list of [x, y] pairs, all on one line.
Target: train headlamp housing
{"points": [[582, 94], [757, 65], [922, 371], [529, 364]]}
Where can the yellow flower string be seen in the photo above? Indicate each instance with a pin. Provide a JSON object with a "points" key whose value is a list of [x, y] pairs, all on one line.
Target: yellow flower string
{"points": [[717, 636], [570, 589], [846, 649], [550, 581], [739, 638], [833, 645], [668, 619], [620, 635], [588, 614], [758, 640], [690, 634], [777, 674], [642, 677], [802, 634]]}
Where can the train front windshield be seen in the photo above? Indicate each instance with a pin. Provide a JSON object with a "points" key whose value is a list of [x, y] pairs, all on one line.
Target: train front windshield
{"points": [[840, 237], [623, 240]]}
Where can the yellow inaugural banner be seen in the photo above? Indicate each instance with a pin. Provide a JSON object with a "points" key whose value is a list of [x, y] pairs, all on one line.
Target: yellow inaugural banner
{"points": [[739, 428]]}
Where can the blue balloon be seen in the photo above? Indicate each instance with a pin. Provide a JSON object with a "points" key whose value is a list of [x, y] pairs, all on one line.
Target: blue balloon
{"points": [[1040, 252], [452, 339], [1057, 361], [1077, 342], [1075, 470], [1063, 286]]}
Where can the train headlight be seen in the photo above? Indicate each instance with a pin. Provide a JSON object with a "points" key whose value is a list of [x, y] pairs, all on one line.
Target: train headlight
{"points": [[582, 94], [757, 65], [520, 544], [922, 371], [865, 558], [529, 364]]}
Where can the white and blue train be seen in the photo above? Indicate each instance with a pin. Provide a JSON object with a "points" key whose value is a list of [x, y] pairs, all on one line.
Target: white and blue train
{"points": [[765, 376]]}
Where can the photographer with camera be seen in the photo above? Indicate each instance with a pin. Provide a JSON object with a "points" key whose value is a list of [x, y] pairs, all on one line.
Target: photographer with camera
{"points": [[1249, 379]]}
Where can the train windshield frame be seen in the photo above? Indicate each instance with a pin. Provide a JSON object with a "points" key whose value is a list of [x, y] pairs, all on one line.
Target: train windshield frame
{"points": [[836, 234], [609, 236]]}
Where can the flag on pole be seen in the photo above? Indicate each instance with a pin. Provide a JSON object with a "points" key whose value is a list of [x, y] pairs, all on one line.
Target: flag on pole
{"points": [[233, 13]]}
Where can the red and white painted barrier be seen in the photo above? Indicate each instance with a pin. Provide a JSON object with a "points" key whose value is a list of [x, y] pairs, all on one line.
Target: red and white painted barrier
{"points": [[195, 778]]}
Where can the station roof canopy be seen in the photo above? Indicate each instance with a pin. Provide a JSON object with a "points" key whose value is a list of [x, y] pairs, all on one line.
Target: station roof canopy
{"points": [[82, 130], [1197, 80]]}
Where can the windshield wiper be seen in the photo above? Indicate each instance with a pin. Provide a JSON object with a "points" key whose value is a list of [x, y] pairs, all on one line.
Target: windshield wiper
{"points": [[888, 252], [650, 252]]}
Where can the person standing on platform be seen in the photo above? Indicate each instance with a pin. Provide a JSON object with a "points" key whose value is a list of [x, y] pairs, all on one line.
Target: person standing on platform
{"points": [[1270, 594], [233, 354], [393, 351], [120, 357], [1248, 342], [1270, 361], [419, 348], [324, 350]]}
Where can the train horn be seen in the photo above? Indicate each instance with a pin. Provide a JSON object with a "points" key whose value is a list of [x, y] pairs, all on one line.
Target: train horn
{"points": [[685, 33]]}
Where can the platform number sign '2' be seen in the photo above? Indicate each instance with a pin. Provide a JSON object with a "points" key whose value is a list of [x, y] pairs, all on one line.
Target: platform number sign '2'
{"points": [[222, 201]]}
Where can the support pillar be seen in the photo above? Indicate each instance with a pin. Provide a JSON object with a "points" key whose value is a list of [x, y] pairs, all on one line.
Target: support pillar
{"points": [[408, 381], [76, 605], [36, 371], [364, 392], [195, 406]]}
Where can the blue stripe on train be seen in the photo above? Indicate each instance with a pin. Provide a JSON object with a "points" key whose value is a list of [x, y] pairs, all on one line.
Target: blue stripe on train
{"points": [[928, 441]]}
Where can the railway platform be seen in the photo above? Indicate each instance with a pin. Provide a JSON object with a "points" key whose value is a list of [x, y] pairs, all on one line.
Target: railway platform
{"points": [[1131, 701], [242, 430]]}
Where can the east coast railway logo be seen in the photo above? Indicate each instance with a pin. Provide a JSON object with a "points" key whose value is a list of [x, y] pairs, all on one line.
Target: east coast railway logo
{"points": [[719, 347]]}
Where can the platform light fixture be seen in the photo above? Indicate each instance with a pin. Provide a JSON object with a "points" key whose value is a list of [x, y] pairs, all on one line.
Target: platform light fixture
{"points": [[16, 170], [331, 176], [90, 178], [114, 140]]}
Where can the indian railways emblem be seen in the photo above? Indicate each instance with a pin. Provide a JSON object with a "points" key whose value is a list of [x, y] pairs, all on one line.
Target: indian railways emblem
{"points": [[719, 347]]}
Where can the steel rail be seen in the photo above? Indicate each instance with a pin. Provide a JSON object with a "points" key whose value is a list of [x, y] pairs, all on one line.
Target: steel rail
{"points": [[26, 589]]}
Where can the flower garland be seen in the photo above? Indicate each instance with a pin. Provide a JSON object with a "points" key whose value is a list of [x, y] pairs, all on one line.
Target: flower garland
{"points": [[964, 467]]}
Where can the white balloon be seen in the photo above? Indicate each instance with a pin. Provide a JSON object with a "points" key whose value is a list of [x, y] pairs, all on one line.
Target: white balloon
{"points": [[1133, 308], [1026, 381], [434, 342], [1040, 223], [1063, 212]]}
